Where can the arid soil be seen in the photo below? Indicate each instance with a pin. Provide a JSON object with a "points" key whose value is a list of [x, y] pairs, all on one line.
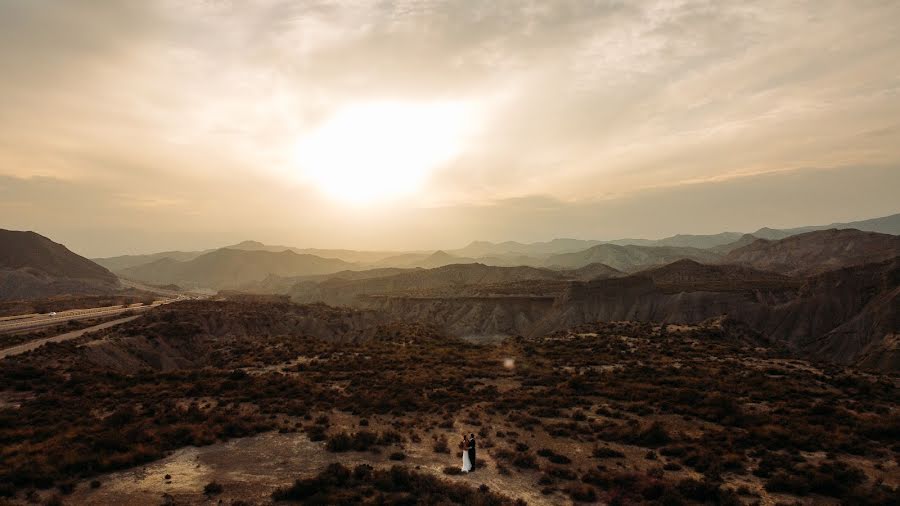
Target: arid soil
{"points": [[244, 398]]}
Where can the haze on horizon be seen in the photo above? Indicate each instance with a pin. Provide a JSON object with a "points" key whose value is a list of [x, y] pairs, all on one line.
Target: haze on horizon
{"points": [[132, 127]]}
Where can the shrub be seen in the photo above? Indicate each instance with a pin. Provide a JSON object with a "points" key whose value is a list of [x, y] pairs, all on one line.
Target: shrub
{"points": [[212, 488], [605, 452], [359, 442]]}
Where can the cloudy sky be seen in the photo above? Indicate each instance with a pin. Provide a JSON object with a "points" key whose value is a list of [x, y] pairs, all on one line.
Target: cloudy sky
{"points": [[140, 126]]}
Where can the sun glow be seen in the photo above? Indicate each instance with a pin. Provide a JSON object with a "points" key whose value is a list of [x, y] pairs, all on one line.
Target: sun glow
{"points": [[379, 150]]}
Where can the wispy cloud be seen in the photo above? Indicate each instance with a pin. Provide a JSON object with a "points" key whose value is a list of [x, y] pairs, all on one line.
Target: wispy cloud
{"points": [[579, 101]]}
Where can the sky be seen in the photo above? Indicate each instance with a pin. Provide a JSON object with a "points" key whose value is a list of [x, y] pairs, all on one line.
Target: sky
{"points": [[139, 126]]}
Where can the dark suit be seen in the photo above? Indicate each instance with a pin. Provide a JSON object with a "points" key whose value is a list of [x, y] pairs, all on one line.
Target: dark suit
{"points": [[472, 452]]}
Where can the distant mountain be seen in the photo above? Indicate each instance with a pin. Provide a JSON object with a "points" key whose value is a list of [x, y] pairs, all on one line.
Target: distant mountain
{"points": [[815, 252], [122, 262], [347, 255], [744, 240], [440, 259], [629, 258], [231, 268], [479, 249], [33, 266], [422, 260], [699, 241], [274, 284], [884, 225], [119, 263]]}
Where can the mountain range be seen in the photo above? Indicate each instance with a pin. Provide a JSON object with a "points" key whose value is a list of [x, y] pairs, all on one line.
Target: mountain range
{"points": [[230, 268], [827, 294], [511, 253]]}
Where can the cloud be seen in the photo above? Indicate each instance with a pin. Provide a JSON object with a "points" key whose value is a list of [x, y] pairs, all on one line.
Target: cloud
{"points": [[197, 107]]}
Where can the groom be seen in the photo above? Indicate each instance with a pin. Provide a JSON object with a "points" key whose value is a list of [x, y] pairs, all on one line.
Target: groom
{"points": [[471, 450]]}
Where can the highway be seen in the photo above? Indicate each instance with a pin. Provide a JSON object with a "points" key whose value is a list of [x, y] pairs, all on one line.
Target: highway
{"points": [[36, 321]]}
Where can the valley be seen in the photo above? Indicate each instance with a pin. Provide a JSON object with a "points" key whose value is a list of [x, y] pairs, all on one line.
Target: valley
{"points": [[764, 372]]}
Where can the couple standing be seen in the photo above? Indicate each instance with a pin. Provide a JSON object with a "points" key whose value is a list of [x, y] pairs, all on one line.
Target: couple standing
{"points": [[468, 447]]}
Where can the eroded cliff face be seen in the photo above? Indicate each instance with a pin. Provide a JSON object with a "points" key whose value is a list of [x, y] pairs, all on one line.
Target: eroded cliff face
{"points": [[187, 334], [466, 316], [849, 316], [640, 299]]}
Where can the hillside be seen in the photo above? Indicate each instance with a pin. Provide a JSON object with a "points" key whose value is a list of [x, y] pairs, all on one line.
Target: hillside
{"points": [[688, 275], [231, 268], [815, 252], [653, 411], [591, 271], [848, 316], [32, 265], [628, 258], [345, 292]]}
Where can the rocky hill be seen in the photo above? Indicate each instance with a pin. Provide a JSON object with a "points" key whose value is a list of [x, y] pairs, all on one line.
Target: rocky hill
{"points": [[848, 316], [629, 258], [417, 282], [816, 252], [32, 266], [688, 275]]}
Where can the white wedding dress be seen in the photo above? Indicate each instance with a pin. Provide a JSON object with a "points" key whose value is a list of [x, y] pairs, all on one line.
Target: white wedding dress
{"points": [[467, 464]]}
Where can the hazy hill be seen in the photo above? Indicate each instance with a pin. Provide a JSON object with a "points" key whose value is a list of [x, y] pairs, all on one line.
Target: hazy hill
{"points": [[629, 258], [347, 255], [344, 292], [815, 252], [719, 242], [231, 268], [479, 249], [33, 266], [699, 241], [744, 240], [122, 262], [274, 284], [884, 225], [440, 259], [422, 260]]}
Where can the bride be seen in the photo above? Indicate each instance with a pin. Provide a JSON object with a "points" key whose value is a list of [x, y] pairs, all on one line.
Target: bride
{"points": [[467, 464]]}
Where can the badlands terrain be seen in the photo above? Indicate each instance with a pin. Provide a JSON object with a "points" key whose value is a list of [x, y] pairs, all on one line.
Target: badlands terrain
{"points": [[236, 400], [723, 369]]}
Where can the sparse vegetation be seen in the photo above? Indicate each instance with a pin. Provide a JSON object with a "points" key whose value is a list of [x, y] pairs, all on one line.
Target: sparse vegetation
{"points": [[397, 485], [621, 392]]}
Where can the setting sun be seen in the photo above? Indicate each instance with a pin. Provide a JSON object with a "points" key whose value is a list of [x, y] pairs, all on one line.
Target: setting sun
{"points": [[379, 150]]}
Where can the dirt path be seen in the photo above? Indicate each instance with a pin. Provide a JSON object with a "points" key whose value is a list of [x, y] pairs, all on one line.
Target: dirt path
{"points": [[32, 345], [249, 469]]}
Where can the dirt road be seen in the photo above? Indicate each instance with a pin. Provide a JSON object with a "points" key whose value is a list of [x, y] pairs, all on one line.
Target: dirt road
{"points": [[32, 345]]}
